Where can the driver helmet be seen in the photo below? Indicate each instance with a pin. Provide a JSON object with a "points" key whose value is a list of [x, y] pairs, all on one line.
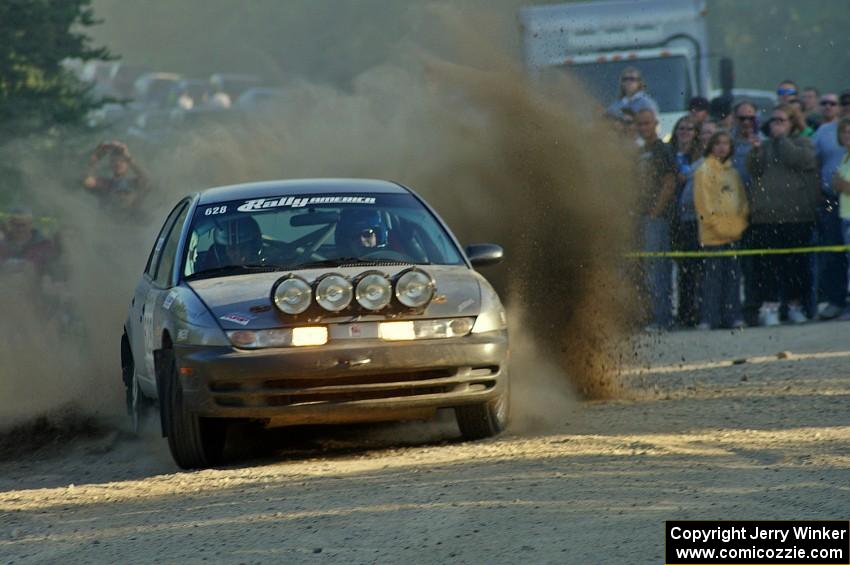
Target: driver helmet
{"points": [[240, 236], [362, 229]]}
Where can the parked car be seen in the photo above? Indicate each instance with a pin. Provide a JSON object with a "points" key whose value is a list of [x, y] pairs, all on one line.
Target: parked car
{"points": [[153, 89], [234, 84], [260, 98], [312, 302]]}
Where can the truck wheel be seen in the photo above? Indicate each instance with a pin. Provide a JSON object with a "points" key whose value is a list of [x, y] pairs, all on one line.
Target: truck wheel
{"points": [[194, 442], [479, 421]]}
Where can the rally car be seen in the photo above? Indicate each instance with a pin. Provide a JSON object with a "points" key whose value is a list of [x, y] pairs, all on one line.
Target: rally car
{"points": [[312, 302]]}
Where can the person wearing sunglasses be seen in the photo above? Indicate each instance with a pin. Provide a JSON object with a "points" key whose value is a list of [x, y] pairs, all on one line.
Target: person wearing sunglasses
{"points": [[632, 94], [832, 267], [829, 108], [786, 91], [745, 135], [784, 198]]}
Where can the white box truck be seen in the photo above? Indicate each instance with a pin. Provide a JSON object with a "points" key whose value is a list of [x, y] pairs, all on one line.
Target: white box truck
{"points": [[667, 40]]}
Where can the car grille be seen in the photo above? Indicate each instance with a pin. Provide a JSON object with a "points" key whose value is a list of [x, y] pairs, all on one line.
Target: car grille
{"points": [[351, 387]]}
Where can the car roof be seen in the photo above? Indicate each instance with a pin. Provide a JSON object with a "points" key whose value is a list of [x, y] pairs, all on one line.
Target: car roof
{"points": [[270, 189]]}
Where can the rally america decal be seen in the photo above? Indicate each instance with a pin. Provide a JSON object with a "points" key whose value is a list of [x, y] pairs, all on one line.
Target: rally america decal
{"points": [[236, 319], [262, 204]]}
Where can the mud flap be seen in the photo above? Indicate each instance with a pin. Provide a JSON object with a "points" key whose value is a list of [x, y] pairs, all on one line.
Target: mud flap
{"points": [[126, 360], [159, 362]]}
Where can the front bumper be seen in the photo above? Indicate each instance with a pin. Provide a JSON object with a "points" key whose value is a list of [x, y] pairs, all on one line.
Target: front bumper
{"points": [[366, 379]]}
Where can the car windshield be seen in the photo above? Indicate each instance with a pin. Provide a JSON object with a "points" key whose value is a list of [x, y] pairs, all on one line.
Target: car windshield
{"points": [[292, 232], [666, 80]]}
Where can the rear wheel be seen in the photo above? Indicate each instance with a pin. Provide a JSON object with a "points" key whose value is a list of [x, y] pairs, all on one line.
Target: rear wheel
{"points": [[194, 442], [479, 421]]}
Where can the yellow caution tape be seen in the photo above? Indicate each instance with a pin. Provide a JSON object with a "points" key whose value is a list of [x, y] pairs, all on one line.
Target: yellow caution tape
{"points": [[738, 252], [40, 219]]}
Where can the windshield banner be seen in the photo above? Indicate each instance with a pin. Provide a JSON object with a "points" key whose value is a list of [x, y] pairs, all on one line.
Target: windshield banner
{"points": [[261, 204]]}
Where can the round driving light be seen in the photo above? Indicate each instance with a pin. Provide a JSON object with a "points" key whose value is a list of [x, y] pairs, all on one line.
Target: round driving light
{"points": [[292, 295], [461, 326], [374, 291], [414, 289], [334, 293]]}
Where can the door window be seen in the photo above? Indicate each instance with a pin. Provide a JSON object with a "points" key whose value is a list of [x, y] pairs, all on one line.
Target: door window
{"points": [[153, 258], [169, 250]]}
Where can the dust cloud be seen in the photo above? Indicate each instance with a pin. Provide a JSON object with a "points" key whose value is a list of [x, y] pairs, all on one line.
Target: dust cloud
{"points": [[539, 172]]}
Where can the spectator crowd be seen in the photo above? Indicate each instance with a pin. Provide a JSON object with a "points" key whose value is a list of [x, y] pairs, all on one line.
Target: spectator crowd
{"points": [[742, 193]]}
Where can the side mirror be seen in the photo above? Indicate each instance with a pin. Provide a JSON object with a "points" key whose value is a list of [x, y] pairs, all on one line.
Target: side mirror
{"points": [[484, 254]]}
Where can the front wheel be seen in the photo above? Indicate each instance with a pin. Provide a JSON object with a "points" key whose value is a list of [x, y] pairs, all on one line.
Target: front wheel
{"points": [[194, 442], [479, 421]]}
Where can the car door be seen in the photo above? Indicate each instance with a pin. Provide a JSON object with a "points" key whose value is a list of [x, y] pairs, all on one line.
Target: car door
{"points": [[144, 300]]}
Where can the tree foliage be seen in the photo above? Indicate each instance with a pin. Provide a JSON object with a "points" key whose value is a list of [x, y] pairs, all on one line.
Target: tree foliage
{"points": [[36, 37]]}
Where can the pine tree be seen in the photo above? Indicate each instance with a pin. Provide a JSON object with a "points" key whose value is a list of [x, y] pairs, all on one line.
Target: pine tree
{"points": [[36, 91]]}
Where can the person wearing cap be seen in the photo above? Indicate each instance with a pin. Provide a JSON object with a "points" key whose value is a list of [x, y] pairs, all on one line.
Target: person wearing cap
{"points": [[632, 94], [121, 190], [832, 267], [698, 108], [720, 111]]}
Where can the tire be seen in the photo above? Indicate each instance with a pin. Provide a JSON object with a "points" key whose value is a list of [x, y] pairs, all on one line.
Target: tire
{"points": [[194, 442], [480, 421]]}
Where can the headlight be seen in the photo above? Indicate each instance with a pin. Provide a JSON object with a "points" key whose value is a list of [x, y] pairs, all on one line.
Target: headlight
{"points": [[425, 329], [414, 288], [309, 336], [374, 291], [334, 293], [285, 337], [292, 295]]}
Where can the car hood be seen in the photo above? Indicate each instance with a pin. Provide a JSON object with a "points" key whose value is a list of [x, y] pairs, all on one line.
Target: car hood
{"points": [[244, 301]]}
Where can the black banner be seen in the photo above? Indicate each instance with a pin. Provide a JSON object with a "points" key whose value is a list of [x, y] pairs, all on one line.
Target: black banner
{"points": [[745, 542]]}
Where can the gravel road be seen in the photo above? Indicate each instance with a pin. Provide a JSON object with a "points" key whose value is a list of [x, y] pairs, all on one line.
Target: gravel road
{"points": [[718, 425]]}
